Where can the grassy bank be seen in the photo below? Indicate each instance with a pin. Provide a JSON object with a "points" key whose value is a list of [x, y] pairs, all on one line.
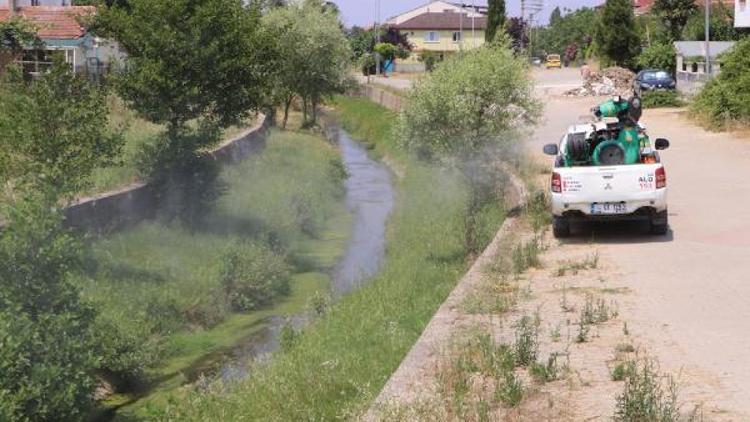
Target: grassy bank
{"points": [[339, 364], [160, 284]]}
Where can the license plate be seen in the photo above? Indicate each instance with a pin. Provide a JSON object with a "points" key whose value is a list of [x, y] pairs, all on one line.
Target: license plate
{"points": [[609, 208]]}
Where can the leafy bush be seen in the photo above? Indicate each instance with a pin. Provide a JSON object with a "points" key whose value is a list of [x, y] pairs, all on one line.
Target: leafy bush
{"points": [[430, 60], [44, 365], [658, 56], [726, 98], [126, 347], [253, 276], [466, 114], [46, 346], [656, 99]]}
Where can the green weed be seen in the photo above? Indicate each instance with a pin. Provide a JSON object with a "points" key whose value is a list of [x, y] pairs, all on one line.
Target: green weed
{"points": [[574, 267], [538, 210], [543, 373], [526, 347], [511, 390], [647, 395], [620, 371], [526, 255]]}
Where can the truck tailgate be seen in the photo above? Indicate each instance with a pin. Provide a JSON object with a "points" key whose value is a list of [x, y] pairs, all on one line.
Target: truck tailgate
{"points": [[608, 184]]}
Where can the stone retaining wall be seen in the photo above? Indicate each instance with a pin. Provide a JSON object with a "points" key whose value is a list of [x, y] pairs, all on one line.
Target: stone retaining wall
{"points": [[385, 98], [128, 206]]}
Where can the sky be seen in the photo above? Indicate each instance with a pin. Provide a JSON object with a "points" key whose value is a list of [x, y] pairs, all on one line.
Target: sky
{"points": [[362, 12]]}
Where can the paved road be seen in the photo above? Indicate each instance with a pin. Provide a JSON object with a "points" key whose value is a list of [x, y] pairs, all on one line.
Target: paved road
{"points": [[691, 302]]}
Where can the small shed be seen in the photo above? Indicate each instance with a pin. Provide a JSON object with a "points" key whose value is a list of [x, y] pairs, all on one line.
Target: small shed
{"points": [[691, 72]]}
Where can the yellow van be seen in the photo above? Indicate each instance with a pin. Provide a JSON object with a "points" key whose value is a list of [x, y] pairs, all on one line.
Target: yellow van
{"points": [[553, 60]]}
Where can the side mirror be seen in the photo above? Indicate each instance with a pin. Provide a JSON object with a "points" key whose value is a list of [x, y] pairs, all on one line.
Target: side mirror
{"points": [[661, 143], [551, 149]]}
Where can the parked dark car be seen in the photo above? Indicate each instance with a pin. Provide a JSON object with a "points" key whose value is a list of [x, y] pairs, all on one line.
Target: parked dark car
{"points": [[651, 79]]}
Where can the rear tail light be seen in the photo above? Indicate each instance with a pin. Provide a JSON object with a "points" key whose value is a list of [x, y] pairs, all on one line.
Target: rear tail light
{"points": [[556, 183], [661, 178]]}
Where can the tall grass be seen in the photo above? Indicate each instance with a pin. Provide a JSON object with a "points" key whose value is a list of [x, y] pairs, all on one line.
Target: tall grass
{"points": [[160, 283], [339, 364]]}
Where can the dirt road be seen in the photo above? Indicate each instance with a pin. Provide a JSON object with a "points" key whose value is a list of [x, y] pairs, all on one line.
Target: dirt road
{"points": [[691, 301]]}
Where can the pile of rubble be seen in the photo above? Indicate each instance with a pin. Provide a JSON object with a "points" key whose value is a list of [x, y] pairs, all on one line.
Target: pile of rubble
{"points": [[610, 81]]}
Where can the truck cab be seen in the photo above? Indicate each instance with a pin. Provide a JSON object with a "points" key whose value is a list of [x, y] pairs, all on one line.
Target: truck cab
{"points": [[609, 190]]}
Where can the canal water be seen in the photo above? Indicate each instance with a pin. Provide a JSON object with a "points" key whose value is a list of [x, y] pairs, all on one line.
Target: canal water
{"points": [[369, 197]]}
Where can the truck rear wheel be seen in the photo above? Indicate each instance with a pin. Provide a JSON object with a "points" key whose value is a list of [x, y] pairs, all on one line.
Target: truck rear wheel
{"points": [[560, 227], [660, 224]]}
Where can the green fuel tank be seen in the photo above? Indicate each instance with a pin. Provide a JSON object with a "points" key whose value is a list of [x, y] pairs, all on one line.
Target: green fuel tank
{"points": [[611, 108], [626, 149]]}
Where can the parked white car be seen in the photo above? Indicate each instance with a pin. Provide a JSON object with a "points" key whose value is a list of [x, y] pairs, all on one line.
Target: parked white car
{"points": [[607, 192]]}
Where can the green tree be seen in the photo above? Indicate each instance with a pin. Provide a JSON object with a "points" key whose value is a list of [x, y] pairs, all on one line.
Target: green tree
{"points": [[721, 26], [674, 14], [658, 56], [466, 114], [495, 19], [189, 60], [198, 67], [726, 98], [555, 16], [45, 329], [616, 37], [652, 30], [56, 128], [575, 27], [313, 56], [16, 34]]}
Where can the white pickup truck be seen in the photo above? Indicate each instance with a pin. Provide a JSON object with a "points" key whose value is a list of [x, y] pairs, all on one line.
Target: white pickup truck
{"points": [[607, 192]]}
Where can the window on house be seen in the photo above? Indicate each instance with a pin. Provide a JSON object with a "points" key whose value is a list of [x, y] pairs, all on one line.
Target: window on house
{"points": [[432, 36], [37, 62], [457, 36]]}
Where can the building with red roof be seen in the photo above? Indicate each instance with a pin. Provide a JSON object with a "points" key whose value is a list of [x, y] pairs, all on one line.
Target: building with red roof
{"points": [[62, 29], [439, 28]]}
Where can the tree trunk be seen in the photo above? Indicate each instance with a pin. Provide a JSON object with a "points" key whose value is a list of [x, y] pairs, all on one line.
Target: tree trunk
{"points": [[287, 104], [314, 104], [304, 111]]}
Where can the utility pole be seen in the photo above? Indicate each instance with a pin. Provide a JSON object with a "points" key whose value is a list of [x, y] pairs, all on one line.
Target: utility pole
{"points": [[461, 29], [708, 37], [473, 16], [377, 32]]}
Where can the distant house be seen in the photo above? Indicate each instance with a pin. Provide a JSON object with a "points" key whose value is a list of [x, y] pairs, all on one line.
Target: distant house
{"points": [[440, 28], [691, 72], [60, 29]]}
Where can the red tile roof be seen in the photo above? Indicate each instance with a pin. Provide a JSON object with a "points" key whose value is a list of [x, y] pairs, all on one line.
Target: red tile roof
{"points": [[444, 20], [54, 22]]}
